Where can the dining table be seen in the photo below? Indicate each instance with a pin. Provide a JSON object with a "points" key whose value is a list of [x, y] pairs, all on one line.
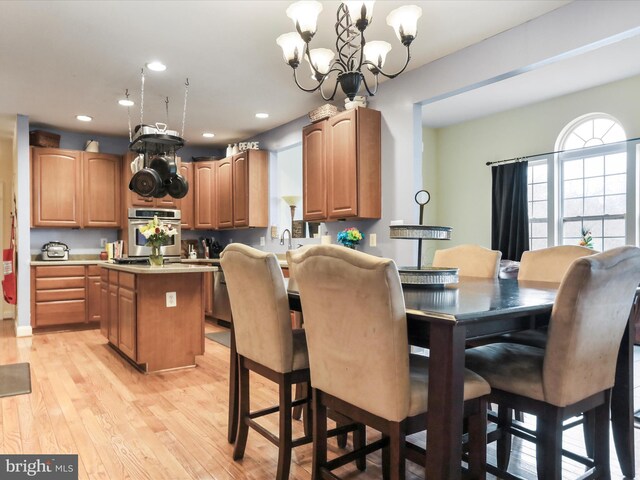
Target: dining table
{"points": [[444, 320]]}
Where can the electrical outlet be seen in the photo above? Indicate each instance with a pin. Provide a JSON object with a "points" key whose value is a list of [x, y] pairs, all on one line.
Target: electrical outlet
{"points": [[274, 232], [372, 240], [103, 242], [262, 241], [171, 299]]}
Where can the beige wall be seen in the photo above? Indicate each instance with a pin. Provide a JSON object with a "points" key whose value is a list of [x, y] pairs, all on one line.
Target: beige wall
{"points": [[6, 179], [463, 179]]}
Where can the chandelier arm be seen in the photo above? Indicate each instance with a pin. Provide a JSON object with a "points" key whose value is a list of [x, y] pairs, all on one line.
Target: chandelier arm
{"points": [[332, 68], [333, 94], [366, 85], [308, 90], [361, 49], [392, 75]]}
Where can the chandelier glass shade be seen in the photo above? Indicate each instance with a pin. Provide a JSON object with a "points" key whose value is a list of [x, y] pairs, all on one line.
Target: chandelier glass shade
{"points": [[352, 51]]}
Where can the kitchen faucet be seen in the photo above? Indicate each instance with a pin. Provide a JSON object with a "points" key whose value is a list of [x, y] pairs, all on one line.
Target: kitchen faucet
{"points": [[286, 230]]}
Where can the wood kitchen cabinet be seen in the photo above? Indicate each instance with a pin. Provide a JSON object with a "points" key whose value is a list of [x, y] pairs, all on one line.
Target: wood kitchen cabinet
{"points": [[347, 149], [65, 296], [111, 311], [104, 302], [75, 189], [314, 172], [56, 188], [224, 191], [186, 203], [205, 195], [208, 293], [126, 316], [251, 189], [102, 173]]}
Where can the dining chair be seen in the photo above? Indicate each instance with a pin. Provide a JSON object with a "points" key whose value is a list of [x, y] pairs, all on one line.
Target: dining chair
{"points": [[267, 344], [360, 363], [576, 370], [471, 260]]}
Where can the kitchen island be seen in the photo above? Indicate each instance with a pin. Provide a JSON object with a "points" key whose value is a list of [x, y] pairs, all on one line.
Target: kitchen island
{"points": [[154, 316]]}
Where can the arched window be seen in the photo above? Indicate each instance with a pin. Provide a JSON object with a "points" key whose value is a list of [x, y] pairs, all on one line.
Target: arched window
{"points": [[592, 174]]}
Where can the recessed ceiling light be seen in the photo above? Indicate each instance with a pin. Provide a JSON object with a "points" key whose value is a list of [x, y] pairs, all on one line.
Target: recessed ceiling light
{"points": [[125, 102], [208, 135], [156, 66], [262, 115], [84, 118]]}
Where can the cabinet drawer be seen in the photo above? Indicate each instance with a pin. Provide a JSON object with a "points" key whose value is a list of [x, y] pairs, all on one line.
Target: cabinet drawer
{"points": [[94, 270], [59, 283], [60, 313], [56, 295], [61, 271], [127, 280]]}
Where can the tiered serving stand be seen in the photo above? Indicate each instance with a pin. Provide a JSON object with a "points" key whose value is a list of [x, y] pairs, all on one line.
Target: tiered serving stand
{"points": [[424, 276]]}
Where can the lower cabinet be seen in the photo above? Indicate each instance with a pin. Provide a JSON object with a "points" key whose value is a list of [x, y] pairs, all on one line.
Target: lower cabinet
{"points": [[208, 294], [119, 311], [65, 296]]}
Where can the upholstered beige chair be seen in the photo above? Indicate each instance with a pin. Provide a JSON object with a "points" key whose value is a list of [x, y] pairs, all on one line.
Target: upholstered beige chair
{"points": [[550, 264], [359, 355], [576, 371], [471, 260]]}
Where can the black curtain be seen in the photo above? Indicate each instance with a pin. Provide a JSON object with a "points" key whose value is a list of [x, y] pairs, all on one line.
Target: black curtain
{"points": [[509, 216]]}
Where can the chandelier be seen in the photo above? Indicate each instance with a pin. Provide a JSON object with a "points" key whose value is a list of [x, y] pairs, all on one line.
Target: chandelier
{"points": [[353, 51]]}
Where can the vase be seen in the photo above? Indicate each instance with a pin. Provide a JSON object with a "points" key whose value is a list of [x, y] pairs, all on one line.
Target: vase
{"points": [[156, 259]]}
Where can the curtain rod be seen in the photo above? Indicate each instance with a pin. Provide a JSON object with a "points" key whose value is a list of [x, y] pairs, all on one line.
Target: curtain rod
{"points": [[522, 159]]}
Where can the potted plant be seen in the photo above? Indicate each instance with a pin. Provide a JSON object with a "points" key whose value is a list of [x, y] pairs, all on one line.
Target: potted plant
{"points": [[350, 237], [157, 235]]}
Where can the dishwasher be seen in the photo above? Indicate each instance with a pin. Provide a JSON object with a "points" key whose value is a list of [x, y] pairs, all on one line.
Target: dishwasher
{"points": [[221, 305]]}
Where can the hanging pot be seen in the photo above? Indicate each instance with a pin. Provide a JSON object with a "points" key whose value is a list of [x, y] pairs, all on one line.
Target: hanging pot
{"points": [[146, 182], [178, 186]]}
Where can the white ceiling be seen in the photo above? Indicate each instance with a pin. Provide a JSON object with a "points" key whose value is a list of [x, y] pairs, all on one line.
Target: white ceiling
{"points": [[63, 58]]}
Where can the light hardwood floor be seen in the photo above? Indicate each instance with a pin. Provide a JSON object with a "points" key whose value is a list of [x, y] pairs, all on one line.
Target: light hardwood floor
{"points": [[124, 425]]}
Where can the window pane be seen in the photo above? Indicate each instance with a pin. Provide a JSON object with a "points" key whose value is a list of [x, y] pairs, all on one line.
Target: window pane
{"points": [[572, 169], [597, 244], [573, 188], [530, 192], [614, 228], [538, 243], [616, 163], [594, 206], [616, 134], [616, 184], [601, 126], [595, 227], [573, 207], [539, 210], [593, 166], [571, 240], [538, 229], [540, 173], [584, 130], [616, 204], [572, 229], [594, 186], [540, 191], [613, 242]]}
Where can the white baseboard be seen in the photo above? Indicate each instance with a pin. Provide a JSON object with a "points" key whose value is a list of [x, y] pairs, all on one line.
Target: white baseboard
{"points": [[23, 331]]}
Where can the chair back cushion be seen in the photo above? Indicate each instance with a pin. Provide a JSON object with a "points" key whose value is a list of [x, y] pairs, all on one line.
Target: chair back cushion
{"points": [[471, 260], [587, 323], [259, 305], [356, 327], [550, 264]]}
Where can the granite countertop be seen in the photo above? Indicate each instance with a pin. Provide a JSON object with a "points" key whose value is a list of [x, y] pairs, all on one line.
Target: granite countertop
{"points": [[55, 263], [168, 268], [216, 261]]}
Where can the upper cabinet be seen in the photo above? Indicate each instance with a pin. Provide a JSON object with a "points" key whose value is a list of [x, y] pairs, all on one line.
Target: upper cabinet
{"points": [[224, 190], [251, 189], [102, 187], [186, 203], [341, 166], [205, 198], [56, 187], [75, 189]]}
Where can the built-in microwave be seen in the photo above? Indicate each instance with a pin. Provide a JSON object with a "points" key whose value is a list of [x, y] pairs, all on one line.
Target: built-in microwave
{"points": [[138, 217]]}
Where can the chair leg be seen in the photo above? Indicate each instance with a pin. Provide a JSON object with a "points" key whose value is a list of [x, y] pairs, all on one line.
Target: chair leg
{"points": [[386, 462], [601, 439], [301, 392], [306, 411], [478, 441], [549, 447], [285, 440], [589, 430], [397, 441], [359, 441], [342, 438], [243, 410], [319, 435], [503, 448]]}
